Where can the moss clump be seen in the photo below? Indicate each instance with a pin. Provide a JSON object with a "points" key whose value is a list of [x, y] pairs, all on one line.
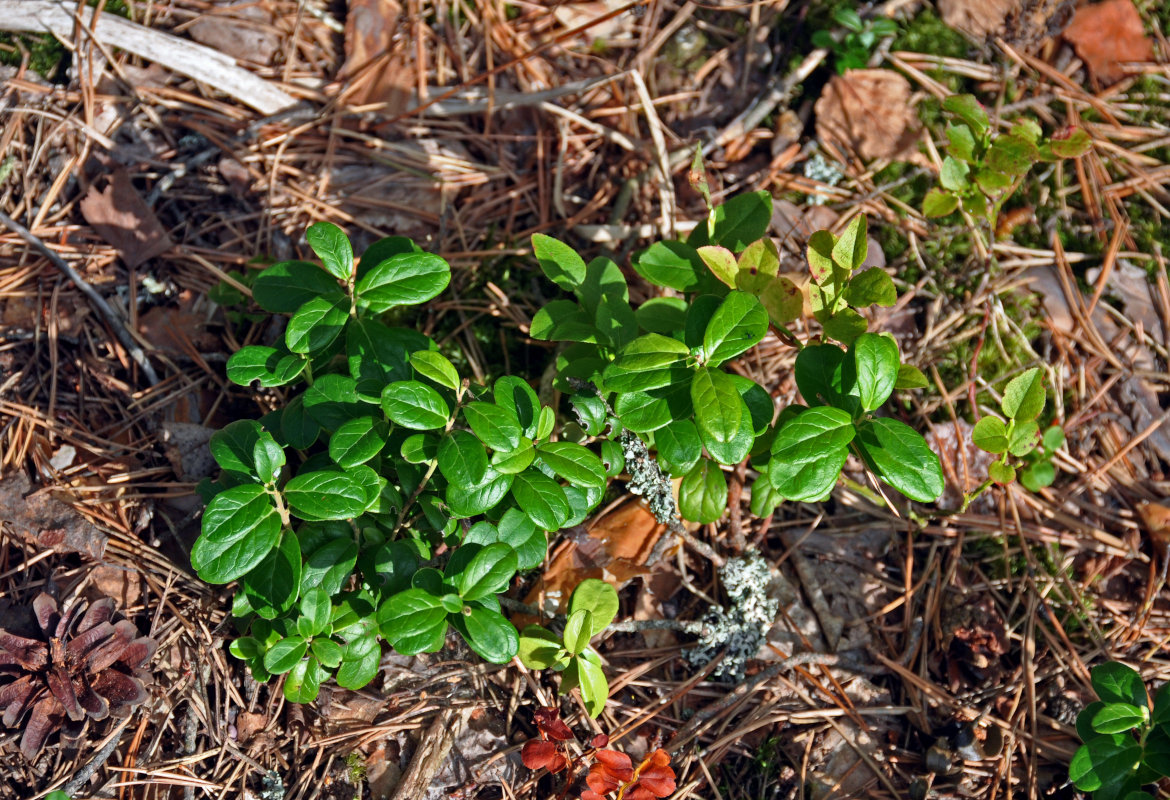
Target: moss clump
{"points": [[47, 57], [926, 33]]}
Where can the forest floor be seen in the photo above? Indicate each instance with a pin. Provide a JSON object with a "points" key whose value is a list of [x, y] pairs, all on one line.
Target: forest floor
{"points": [[953, 649]]}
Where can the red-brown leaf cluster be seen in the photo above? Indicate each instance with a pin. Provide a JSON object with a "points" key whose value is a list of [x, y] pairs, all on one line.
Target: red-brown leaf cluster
{"points": [[614, 772], [546, 752]]}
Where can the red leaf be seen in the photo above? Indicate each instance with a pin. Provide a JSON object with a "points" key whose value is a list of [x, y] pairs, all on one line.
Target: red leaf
{"points": [[600, 740], [1108, 34], [601, 781], [589, 794], [548, 722], [538, 754], [617, 763]]}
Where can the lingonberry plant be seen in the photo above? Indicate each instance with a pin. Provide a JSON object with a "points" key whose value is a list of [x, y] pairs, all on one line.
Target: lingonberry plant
{"points": [[1023, 452], [1126, 744], [984, 167], [397, 466]]}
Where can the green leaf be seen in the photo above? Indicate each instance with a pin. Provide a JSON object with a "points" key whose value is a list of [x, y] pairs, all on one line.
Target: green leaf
{"points": [[953, 175], [574, 463], [1001, 473], [539, 648], [488, 633], [488, 572], [1070, 143], [325, 495], [542, 499], [845, 326], [722, 417], [359, 662], [383, 249], [1114, 682], [560, 263], [597, 597], [820, 257], [808, 452], [516, 530], [462, 459], [737, 325], [702, 496], [303, 681], [671, 264], [375, 353], [515, 393], [603, 281], [643, 412], [419, 448], [405, 279], [328, 564], [240, 528], [1119, 717], [679, 447], [317, 324], [413, 621], [852, 246], [968, 109], [662, 314], [273, 584], [615, 322], [327, 651], [962, 143], [1103, 762], [315, 609], [285, 287], [414, 405], [1053, 438], [782, 300], [740, 221], [496, 426], [234, 446], [357, 441], [1024, 396], [1036, 476], [990, 434], [578, 630], [434, 365], [910, 377], [510, 462], [991, 182], [939, 203], [300, 430], [470, 499], [331, 246], [1023, 438], [592, 683], [825, 376], [877, 361], [285, 654], [1011, 155], [1027, 129], [721, 262], [648, 362], [871, 287], [268, 365], [901, 457]]}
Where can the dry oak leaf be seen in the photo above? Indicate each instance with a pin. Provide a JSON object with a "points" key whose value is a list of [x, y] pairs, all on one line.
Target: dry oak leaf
{"points": [[1107, 35], [868, 112], [377, 67], [977, 18], [122, 218]]}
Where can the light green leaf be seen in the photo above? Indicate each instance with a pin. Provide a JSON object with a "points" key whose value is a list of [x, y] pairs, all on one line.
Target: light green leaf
{"points": [[488, 572], [783, 300], [325, 495], [808, 452], [573, 462], [1023, 438], [512, 461], [953, 175], [560, 263], [592, 683], [702, 495], [722, 417], [759, 263], [542, 499], [1011, 155], [678, 446], [285, 654], [268, 365], [414, 405], [845, 326], [303, 681], [900, 456], [721, 262], [939, 203], [405, 279], [663, 315], [962, 143], [1024, 396], [910, 377], [597, 597], [578, 630], [671, 264], [434, 365], [968, 109], [990, 434], [851, 249], [648, 362], [1001, 473], [331, 246], [820, 257], [876, 357], [316, 324], [737, 325], [871, 287], [539, 648]]}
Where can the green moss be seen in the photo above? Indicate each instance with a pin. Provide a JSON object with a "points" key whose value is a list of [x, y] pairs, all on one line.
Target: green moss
{"points": [[47, 56], [926, 33]]}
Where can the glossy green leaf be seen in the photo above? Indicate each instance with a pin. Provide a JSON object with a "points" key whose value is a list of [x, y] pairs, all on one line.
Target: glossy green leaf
{"points": [[327, 652], [702, 495], [488, 572], [899, 456], [413, 621], [285, 654], [515, 393], [434, 365], [539, 648], [1024, 396], [674, 265], [517, 531], [1114, 682], [968, 109], [496, 426], [516, 460], [542, 499], [234, 446], [643, 412], [574, 463], [300, 430], [316, 324], [738, 222], [852, 247], [578, 630], [268, 365], [845, 326], [462, 459], [808, 452], [663, 315], [648, 362], [679, 447], [325, 495], [303, 681], [414, 405], [328, 564], [331, 246], [561, 264], [405, 279], [615, 322], [603, 281], [871, 286], [592, 683], [359, 662], [718, 406], [288, 285], [826, 376], [597, 597], [357, 441], [990, 434], [1103, 762], [877, 360], [273, 584], [470, 499], [737, 325], [1119, 717], [419, 448], [240, 527], [488, 633], [314, 610]]}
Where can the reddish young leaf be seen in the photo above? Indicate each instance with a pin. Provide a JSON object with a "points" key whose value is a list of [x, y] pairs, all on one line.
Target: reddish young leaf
{"points": [[548, 721], [538, 753], [618, 764], [600, 740]]}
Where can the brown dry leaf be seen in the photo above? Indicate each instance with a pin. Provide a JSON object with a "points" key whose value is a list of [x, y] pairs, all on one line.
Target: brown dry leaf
{"points": [[122, 218], [868, 112], [176, 331], [377, 65], [248, 725], [119, 583], [43, 521], [240, 30], [1107, 35], [977, 18], [1156, 518]]}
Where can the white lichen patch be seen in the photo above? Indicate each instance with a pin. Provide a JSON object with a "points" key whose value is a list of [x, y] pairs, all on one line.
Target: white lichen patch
{"points": [[741, 628]]}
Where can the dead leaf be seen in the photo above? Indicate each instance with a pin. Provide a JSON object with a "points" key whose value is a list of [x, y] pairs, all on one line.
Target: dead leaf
{"points": [[117, 582], [1107, 35], [122, 218], [176, 330], [43, 521], [241, 30], [868, 112], [377, 65], [978, 18], [248, 725]]}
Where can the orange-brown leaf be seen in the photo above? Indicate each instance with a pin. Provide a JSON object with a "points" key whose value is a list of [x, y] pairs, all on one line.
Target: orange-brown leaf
{"points": [[1107, 35]]}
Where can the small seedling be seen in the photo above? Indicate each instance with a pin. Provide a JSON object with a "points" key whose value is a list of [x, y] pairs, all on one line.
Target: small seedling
{"points": [[592, 607], [1023, 452], [852, 49], [1126, 745], [984, 167]]}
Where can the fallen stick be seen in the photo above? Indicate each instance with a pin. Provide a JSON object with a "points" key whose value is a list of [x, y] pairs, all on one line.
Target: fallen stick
{"points": [[178, 55]]}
